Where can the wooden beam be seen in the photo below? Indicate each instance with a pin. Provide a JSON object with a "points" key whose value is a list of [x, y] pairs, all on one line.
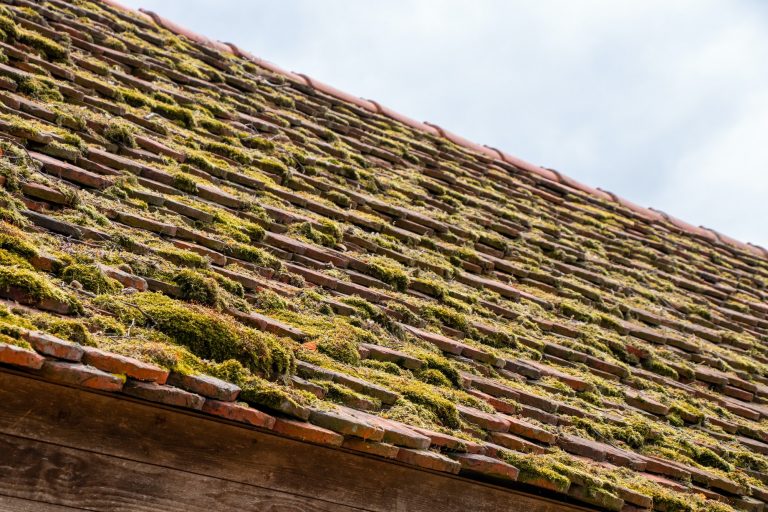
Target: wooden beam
{"points": [[110, 427], [76, 478], [9, 504]]}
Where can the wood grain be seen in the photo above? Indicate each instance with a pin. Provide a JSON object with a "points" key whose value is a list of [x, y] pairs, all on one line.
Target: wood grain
{"points": [[10, 504], [48, 472], [113, 427]]}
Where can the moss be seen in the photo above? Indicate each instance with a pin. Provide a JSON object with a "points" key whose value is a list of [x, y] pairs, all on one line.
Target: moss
{"points": [[434, 377], [431, 287], [447, 316], [389, 271], [384, 366], [15, 241], [206, 333], [436, 363], [104, 325], [42, 89], [339, 199], [51, 49], [115, 43], [72, 330], [272, 165], [256, 390], [328, 237], [577, 311], [214, 126], [198, 288], [656, 365], [267, 300], [342, 343], [229, 151], [536, 467], [134, 98], [444, 410], [9, 340], [185, 183], [184, 257], [344, 395], [255, 255], [8, 27], [199, 160], [120, 133], [8, 258], [36, 285], [91, 277], [242, 230], [256, 142], [175, 113]]}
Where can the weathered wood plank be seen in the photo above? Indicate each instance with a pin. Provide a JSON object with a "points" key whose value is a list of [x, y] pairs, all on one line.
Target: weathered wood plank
{"points": [[9, 504], [70, 477], [150, 434]]}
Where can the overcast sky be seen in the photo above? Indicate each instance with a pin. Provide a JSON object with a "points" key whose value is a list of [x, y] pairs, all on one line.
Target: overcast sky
{"points": [[664, 102]]}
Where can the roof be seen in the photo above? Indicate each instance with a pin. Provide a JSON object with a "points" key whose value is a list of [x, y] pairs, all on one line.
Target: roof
{"points": [[187, 224]]}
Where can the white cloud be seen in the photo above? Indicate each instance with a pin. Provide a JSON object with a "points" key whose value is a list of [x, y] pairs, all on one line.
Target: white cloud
{"points": [[647, 98]]}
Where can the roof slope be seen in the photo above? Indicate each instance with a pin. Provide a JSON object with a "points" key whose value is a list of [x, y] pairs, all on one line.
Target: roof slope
{"points": [[184, 225]]}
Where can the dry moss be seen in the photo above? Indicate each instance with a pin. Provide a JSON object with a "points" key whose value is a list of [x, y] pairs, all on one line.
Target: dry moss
{"points": [[205, 332], [91, 277]]}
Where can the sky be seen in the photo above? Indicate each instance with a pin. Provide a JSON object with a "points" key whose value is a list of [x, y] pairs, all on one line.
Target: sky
{"points": [[664, 102]]}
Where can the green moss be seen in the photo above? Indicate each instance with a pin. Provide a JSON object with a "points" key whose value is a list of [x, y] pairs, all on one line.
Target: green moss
{"points": [[431, 287], [436, 363], [577, 311], [175, 113], [91, 277], [342, 343], [272, 165], [537, 467], [384, 366], [42, 89], [199, 160], [185, 183], [656, 365], [183, 257], [9, 340], [51, 49], [15, 241], [205, 332], [120, 132], [8, 258], [444, 410], [8, 27], [196, 287], [339, 199], [72, 330], [328, 237], [134, 98], [36, 285], [256, 142], [267, 300], [229, 151], [242, 230], [389, 271], [255, 255], [214, 126]]}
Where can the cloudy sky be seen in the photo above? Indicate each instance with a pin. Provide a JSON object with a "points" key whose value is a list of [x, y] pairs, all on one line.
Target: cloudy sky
{"points": [[662, 101]]}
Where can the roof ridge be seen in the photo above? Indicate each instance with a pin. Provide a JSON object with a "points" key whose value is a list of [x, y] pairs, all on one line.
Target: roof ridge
{"points": [[649, 215]]}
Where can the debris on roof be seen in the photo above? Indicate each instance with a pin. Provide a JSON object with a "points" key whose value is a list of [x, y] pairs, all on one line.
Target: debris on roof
{"points": [[187, 224]]}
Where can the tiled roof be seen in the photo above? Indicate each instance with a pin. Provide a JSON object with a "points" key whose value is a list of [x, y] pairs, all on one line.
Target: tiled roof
{"points": [[187, 224]]}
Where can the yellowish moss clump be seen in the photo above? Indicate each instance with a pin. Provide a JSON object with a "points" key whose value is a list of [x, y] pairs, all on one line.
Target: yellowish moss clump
{"points": [[36, 285], [91, 278], [205, 332]]}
